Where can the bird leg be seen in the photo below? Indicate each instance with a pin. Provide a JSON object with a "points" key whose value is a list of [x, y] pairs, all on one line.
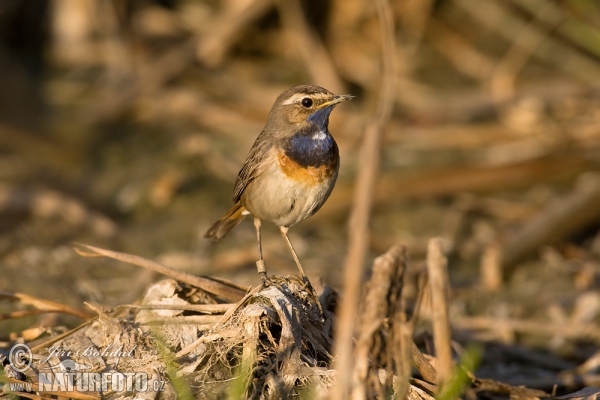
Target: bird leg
{"points": [[260, 264], [284, 231]]}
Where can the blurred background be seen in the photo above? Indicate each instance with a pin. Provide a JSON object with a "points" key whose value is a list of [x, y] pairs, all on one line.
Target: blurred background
{"points": [[123, 124]]}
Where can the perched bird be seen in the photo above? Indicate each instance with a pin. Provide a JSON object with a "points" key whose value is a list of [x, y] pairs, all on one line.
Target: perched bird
{"points": [[291, 168]]}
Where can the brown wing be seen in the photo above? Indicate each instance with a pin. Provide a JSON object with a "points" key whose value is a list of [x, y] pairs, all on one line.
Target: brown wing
{"points": [[253, 165]]}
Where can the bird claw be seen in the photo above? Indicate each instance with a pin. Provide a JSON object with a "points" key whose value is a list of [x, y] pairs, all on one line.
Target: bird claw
{"points": [[264, 279]]}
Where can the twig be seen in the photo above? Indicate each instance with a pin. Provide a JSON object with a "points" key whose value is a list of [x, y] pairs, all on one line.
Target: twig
{"points": [[227, 291], [42, 305], [201, 308], [438, 281], [421, 364], [207, 338], [205, 320], [360, 215], [515, 392], [60, 337]]}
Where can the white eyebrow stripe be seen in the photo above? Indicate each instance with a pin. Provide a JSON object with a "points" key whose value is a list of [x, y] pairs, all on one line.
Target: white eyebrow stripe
{"points": [[294, 99]]}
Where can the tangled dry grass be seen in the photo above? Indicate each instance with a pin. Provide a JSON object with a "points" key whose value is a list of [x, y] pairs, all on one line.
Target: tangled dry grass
{"points": [[273, 343]]}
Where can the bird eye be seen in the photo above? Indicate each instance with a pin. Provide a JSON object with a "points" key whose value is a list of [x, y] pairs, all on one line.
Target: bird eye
{"points": [[307, 102]]}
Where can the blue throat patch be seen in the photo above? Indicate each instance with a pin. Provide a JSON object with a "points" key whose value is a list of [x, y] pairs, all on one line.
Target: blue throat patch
{"points": [[320, 118], [314, 146]]}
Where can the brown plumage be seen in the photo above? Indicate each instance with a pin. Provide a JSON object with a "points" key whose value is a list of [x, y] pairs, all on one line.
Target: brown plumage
{"points": [[291, 168], [227, 222]]}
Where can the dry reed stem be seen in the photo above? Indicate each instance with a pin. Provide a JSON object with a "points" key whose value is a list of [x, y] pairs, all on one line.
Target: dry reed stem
{"points": [[42, 306], [225, 290], [440, 289], [392, 187], [60, 337], [516, 393], [200, 320], [359, 232], [201, 308], [560, 219]]}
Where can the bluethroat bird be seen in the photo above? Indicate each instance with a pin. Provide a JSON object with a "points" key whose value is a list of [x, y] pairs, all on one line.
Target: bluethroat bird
{"points": [[291, 168]]}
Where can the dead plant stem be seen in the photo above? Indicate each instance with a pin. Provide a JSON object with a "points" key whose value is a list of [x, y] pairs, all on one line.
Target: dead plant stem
{"points": [[360, 216]]}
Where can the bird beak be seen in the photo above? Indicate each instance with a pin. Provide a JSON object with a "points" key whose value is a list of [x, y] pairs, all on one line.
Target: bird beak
{"points": [[336, 99]]}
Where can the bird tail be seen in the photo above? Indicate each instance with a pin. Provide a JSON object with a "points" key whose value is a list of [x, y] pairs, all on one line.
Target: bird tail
{"points": [[227, 222]]}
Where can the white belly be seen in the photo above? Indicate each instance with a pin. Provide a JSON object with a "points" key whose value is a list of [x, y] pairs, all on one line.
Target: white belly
{"points": [[275, 197]]}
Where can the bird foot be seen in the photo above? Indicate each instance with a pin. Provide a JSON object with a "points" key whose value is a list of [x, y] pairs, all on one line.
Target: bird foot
{"points": [[262, 271]]}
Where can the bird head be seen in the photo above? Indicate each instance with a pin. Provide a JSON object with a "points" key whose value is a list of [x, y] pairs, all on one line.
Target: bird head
{"points": [[304, 107]]}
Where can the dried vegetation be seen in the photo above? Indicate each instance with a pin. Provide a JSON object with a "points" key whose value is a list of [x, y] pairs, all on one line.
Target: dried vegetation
{"points": [[124, 123]]}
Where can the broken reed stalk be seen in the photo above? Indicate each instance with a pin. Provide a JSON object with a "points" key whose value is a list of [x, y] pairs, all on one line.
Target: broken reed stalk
{"points": [[382, 335], [440, 289], [359, 233]]}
